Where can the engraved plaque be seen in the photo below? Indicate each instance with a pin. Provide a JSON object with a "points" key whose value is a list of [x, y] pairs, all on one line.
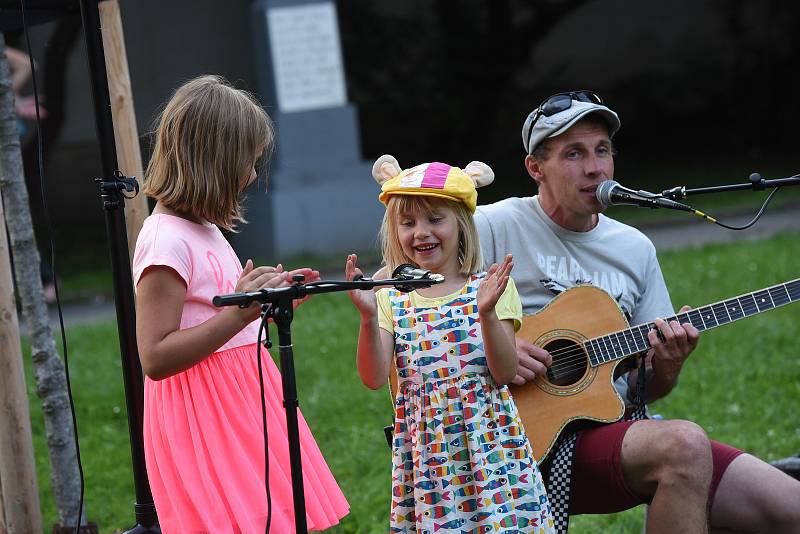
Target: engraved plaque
{"points": [[306, 57]]}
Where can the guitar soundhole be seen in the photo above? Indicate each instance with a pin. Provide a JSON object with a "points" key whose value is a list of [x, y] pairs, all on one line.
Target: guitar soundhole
{"points": [[569, 362]]}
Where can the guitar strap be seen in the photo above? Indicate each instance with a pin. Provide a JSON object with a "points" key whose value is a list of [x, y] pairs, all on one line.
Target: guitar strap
{"points": [[559, 481]]}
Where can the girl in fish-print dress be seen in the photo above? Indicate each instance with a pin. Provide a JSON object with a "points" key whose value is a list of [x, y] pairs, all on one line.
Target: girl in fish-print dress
{"points": [[461, 460]]}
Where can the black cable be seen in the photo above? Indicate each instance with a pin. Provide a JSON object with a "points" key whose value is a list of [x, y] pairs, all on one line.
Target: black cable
{"points": [[49, 228], [261, 329], [757, 217]]}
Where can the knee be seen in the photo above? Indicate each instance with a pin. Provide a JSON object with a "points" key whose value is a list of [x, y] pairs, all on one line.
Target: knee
{"points": [[684, 450], [683, 440]]}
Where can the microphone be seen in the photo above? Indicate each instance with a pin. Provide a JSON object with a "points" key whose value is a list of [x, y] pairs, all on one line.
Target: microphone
{"points": [[407, 271], [610, 193]]}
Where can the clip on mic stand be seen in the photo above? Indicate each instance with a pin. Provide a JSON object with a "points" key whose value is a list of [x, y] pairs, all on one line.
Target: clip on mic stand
{"points": [[278, 305]]}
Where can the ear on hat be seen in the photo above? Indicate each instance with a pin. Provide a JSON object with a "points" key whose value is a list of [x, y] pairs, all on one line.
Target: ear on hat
{"points": [[480, 173], [385, 168]]}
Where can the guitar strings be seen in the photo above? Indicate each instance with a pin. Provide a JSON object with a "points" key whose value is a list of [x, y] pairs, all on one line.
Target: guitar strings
{"points": [[573, 357], [628, 335], [747, 309]]}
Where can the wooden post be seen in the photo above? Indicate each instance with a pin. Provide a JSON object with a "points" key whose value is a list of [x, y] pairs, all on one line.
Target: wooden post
{"points": [[3, 529], [19, 496], [122, 111]]}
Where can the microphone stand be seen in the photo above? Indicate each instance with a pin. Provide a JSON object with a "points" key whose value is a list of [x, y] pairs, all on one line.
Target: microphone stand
{"points": [[113, 186], [756, 183], [278, 304]]}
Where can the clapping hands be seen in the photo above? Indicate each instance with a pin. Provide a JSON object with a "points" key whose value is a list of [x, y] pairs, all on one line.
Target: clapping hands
{"points": [[268, 277], [494, 284], [364, 299]]}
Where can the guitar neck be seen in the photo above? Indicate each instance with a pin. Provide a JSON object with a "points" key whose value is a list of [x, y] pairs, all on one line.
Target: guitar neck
{"points": [[619, 345]]}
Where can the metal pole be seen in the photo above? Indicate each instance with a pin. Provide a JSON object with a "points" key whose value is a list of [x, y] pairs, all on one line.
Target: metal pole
{"points": [[283, 319], [112, 185]]}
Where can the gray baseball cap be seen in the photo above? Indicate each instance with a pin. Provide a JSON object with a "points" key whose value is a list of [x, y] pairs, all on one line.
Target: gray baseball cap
{"points": [[538, 127]]}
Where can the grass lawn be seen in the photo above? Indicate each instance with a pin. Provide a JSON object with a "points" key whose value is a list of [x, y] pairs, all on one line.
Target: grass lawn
{"points": [[741, 385]]}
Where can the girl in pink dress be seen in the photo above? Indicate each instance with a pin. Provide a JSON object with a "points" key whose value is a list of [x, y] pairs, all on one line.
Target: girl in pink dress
{"points": [[203, 431]]}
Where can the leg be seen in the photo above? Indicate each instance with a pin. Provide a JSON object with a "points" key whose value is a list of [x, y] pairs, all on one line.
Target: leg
{"points": [[628, 463], [753, 496], [669, 463]]}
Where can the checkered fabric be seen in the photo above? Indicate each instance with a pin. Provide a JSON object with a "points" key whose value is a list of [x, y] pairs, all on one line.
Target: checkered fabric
{"points": [[559, 482], [640, 412]]}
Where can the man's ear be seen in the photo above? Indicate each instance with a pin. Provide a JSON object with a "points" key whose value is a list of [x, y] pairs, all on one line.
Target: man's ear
{"points": [[534, 168]]}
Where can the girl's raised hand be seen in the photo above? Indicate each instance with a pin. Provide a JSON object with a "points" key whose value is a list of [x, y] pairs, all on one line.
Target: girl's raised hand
{"points": [[255, 278], [364, 299], [266, 276], [494, 284]]}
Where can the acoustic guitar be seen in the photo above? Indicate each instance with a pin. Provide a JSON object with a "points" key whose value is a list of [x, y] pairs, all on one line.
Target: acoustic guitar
{"points": [[586, 333]]}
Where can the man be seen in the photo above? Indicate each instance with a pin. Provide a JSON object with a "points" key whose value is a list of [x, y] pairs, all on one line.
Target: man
{"points": [[560, 239]]}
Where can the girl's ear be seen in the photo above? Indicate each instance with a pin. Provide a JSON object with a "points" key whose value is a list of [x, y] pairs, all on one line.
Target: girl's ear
{"points": [[480, 173], [385, 168]]}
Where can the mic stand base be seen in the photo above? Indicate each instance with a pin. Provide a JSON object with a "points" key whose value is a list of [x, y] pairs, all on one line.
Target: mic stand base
{"points": [[145, 515]]}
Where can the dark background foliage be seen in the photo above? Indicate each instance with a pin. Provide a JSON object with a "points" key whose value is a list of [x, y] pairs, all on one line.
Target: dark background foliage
{"points": [[705, 88], [706, 84]]}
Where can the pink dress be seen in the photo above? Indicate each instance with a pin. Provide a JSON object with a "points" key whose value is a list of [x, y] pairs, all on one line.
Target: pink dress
{"points": [[203, 438]]}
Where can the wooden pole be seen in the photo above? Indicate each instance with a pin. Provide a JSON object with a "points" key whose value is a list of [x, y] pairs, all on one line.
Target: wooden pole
{"points": [[122, 112], [19, 495], [2, 512]]}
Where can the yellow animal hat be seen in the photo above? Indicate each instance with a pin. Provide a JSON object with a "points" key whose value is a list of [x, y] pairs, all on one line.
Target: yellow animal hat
{"points": [[432, 179]]}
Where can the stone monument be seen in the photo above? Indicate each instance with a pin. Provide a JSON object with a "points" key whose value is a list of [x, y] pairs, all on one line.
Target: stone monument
{"points": [[321, 198]]}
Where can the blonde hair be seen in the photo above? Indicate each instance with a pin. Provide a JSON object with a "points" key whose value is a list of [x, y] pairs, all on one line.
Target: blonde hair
{"points": [[469, 249], [206, 142]]}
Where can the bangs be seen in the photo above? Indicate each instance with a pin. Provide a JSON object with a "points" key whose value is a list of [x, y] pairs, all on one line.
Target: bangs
{"points": [[425, 205]]}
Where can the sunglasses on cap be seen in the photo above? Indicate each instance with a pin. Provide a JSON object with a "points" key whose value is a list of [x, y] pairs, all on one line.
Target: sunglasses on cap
{"points": [[556, 104]]}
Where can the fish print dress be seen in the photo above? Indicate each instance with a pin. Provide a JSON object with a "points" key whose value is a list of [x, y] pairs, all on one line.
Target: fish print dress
{"points": [[461, 460]]}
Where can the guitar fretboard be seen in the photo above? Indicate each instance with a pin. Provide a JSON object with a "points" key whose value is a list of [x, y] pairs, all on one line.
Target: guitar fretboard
{"points": [[624, 343]]}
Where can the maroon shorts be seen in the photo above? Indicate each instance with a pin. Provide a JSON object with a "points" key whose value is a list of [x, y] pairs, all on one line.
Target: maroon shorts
{"points": [[598, 484]]}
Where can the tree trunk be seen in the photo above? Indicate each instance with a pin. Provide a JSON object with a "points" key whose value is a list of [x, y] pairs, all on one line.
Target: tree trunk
{"points": [[51, 386]]}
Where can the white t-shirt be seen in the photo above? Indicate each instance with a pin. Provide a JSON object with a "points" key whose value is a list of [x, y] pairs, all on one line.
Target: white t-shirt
{"points": [[549, 259]]}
